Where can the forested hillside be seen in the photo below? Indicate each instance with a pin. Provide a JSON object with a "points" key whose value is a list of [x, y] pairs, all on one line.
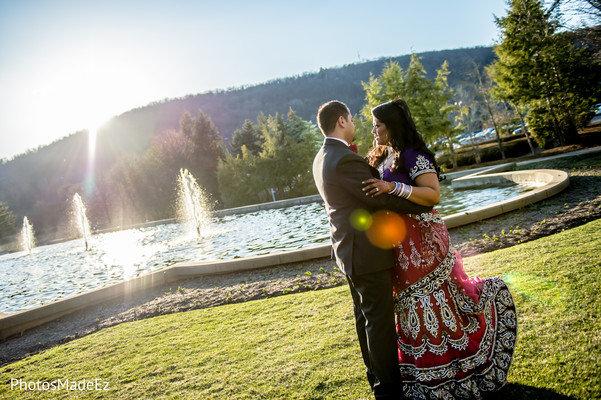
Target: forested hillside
{"points": [[228, 109], [37, 183], [256, 143]]}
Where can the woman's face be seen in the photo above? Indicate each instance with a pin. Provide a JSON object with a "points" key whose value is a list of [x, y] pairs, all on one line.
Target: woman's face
{"points": [[380, 133]]}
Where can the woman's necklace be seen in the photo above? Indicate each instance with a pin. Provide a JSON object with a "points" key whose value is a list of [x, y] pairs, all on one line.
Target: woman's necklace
{"points": [[387, 163]]}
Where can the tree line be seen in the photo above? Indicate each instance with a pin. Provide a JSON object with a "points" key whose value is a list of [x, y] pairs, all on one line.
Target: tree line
{"points": [[542, 77]]}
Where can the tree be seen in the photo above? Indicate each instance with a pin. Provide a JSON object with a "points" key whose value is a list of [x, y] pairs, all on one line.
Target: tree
{"points": [[442, 110], [588, 15], [121, 199], [202, 149], [470, 115], [485, 90], [429, 100], [7, 221], [287, 155], [238, 181], [153, 181], [306, 142], [497, 93], [387, 86], [143, 186], [249, 136], [282, 168], [544, 72], [591, 8]]}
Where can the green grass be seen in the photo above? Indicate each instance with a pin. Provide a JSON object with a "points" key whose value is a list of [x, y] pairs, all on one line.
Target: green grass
{"points": [[303, 346], [556, 286]]}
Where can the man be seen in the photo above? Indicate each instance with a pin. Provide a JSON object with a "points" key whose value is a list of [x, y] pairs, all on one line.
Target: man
{"points": [[338, 174]]}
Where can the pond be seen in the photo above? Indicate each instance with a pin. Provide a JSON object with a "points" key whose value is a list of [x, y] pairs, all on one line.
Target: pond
{"points": [[60, 270]]}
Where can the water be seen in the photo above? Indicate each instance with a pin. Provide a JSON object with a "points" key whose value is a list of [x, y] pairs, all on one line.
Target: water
{"points": [[80, 219], [61, 270], [462, 200], [27, 237], [192, 203]]}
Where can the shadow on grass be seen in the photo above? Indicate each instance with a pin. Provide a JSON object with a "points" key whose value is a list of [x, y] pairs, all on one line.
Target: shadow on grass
{"points": [[523, 392]]}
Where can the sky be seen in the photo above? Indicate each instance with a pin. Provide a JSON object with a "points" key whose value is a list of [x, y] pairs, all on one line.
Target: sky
{"points": [[70, 65]]}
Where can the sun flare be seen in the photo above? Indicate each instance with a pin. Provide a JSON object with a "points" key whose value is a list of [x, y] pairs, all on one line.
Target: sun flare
{"points": [[82, 93]]}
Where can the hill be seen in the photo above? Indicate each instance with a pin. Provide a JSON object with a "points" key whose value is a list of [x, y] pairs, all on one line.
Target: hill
{"points": [[34, 183], [228, 109]]}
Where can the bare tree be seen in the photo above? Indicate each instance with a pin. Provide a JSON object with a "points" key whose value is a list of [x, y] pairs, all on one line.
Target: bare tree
{"points": [[484, 88], [591, 8]]}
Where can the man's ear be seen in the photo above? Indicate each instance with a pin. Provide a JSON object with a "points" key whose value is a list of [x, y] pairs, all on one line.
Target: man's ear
{"points": [[342, 121]]}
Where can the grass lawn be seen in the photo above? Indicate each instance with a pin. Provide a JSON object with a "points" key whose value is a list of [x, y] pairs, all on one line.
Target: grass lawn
{"points": [[303, 346]]}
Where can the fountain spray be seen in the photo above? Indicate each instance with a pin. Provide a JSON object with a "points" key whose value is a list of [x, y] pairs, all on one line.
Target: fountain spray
{"points": [[192, 202], [27, 238], [81, 220]]}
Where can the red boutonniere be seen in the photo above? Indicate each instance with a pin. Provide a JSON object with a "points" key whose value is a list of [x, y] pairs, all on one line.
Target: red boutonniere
{"points": [[353, 147]]}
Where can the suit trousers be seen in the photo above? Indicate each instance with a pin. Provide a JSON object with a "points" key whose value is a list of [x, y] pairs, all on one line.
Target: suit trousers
{"points": [[374, 321]]}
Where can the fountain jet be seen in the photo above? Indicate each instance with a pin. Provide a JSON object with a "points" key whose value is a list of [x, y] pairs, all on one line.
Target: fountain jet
{"points": [[192, 203], [80, 218], [27, 238]]}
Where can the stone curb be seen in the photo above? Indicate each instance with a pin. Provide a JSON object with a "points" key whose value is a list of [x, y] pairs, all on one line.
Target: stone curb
{"points": [[11, 324], [550, 182]]}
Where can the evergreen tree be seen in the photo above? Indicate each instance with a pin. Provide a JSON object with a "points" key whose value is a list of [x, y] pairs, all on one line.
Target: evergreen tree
{"points": [[282, 168], [276, 162], [249, 136], [443, 112], [202, 149], [306, 142], [7, 221], [238, 181], [430, 101], [419, 93], [544, 72]]}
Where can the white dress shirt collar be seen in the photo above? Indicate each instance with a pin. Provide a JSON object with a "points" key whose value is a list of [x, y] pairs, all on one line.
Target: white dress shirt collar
{"points": [[340, 140]]}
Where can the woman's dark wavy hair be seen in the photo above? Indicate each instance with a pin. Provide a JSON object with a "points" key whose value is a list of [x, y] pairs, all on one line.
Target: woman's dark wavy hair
{"points": [[396, 116]]}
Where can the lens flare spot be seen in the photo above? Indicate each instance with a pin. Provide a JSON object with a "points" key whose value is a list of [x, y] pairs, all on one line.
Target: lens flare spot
{"points": [[361, 220], [536, 289], [387, 229]]}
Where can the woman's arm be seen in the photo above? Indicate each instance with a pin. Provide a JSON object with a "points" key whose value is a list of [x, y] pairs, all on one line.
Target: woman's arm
{"points": [[426, 191], [350, 171]]}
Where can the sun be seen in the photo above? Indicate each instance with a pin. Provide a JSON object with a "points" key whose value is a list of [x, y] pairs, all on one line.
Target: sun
{"points": [[79, 92], [83, 91]]}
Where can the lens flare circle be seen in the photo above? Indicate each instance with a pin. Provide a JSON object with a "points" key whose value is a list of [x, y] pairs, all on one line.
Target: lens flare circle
{"points": [[361, 219], [387, 229]]}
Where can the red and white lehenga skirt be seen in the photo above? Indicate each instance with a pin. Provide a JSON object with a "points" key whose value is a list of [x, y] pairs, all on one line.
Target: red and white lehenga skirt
{"points": [[456, 335]]}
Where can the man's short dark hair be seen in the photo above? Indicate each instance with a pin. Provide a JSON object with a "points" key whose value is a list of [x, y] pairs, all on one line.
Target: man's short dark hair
{"points": [[328, 114]]}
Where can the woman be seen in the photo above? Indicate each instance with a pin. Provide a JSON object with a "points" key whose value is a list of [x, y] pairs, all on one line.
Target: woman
{"points": [[456, 335]]}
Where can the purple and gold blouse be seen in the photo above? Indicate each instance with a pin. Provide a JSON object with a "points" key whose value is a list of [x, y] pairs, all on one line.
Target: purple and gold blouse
{"points": [[415, 164]]}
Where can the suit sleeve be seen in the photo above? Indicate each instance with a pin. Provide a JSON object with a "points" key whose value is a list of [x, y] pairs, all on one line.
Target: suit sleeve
{"points": [[352, 170]]}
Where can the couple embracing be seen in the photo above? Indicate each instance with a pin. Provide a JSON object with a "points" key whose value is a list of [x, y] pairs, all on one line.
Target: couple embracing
{"points": [[426, 330]]}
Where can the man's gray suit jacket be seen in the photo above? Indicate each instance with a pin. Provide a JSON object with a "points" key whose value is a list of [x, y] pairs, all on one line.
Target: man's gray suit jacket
{"points": [[338, 173]]}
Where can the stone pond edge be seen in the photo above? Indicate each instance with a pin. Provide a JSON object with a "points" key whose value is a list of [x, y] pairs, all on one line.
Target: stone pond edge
{"points": [[548, 183]]}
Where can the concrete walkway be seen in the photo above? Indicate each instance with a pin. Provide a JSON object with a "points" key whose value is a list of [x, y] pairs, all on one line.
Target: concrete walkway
{"points": [[590, 151]]}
